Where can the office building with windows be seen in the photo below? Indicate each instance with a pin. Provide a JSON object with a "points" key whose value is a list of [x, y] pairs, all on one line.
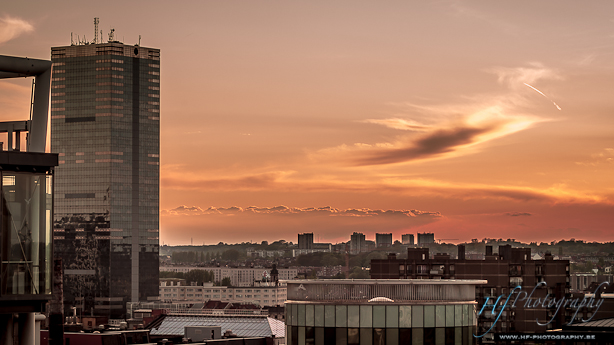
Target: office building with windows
{"points": [[383, 240], [502, 271], [407, 239], [426, 238], [105, 113], [358, 243], [373, 311], [305, 240]]}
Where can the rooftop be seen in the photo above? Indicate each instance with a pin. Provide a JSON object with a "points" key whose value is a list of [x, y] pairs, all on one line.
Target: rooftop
{"points": [[242, 326], [393, 290]]}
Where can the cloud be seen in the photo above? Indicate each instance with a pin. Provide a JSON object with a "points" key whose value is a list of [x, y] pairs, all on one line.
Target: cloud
{"points": [[396, 123], [433, 144], [13, 27], [284, 182], [450, 129], [604, 157], [248, 182], [518, 214], [515, 77], [297, 211]]}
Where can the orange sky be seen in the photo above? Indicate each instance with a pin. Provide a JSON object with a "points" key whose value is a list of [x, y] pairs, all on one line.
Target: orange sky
{"points": [[332, 117]]}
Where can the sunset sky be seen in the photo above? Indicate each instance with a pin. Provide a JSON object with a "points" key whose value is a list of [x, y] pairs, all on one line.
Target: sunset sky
{"points": [[466, 119]]}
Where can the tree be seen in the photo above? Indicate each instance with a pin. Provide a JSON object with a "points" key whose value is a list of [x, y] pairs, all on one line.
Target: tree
{"points": [[198, 276], [226, 282], [359, 273], [330, 259], [231, 255]]}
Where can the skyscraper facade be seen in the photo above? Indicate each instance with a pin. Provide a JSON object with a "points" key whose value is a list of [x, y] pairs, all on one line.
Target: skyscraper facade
{"points": [[105, 113]]}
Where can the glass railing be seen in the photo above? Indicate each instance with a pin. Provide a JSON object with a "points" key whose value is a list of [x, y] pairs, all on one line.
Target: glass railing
{"points": [[25, 253]]}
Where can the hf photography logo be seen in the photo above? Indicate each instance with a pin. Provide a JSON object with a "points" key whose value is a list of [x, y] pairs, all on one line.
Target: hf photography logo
{"points": [[545, 302]]}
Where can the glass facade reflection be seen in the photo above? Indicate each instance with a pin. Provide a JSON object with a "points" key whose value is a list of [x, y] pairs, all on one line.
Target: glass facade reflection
{"points": [[106, 129], [26, 250], [335, 314]]}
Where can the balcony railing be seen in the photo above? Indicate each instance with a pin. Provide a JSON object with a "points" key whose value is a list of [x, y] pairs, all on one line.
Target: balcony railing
{"points": [[394, 289]]}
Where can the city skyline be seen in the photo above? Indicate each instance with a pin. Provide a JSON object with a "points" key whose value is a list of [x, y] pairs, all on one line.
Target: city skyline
{"points": [[467, 121]]}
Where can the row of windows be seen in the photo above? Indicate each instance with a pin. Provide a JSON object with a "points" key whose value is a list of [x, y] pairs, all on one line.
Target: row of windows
{"points": [[379, 336], [389, 316]]}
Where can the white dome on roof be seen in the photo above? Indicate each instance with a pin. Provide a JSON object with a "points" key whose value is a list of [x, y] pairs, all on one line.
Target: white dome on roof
{"points": [[381, 299]]}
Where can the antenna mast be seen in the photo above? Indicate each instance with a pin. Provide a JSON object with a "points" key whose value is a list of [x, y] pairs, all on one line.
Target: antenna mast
{"points": [[96, 30]]}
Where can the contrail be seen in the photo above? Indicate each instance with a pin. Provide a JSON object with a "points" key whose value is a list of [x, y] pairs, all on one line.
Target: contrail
{"points": [[541, 93]]}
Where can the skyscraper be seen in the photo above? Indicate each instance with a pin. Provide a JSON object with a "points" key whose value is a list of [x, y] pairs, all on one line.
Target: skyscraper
{"points": [[106, 129]]}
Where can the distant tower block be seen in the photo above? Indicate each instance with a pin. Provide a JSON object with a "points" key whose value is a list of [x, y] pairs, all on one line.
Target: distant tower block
{"points": [[305, 240], [426, 238], [383, 240], [407, 239]]}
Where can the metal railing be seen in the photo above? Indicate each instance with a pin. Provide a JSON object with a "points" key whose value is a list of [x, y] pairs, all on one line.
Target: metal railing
{"points": [[397, 290]]}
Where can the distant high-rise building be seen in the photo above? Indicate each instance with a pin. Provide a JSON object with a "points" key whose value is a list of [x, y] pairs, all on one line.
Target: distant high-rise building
{"points": [[305, 240], [426, 238], [407, 239], [106, 130], [357, 243], [383, 240]]}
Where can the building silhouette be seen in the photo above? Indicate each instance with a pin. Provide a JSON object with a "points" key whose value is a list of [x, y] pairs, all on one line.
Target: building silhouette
{"points": [[106, 130], [383, 240], [504, 271], [426, 238], [305, 240], [357, 243], [407, 239]]}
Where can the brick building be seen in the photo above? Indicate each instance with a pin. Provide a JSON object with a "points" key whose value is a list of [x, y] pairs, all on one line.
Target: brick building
{"points": [[505, 270]]}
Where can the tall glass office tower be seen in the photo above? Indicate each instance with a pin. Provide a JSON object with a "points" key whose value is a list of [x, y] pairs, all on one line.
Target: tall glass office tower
{"points": [[105, 114]]}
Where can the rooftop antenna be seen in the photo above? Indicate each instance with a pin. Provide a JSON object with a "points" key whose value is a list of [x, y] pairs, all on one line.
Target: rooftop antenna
{"points": [[139, 40], [72, 43], [111, 35], [96, 30]]}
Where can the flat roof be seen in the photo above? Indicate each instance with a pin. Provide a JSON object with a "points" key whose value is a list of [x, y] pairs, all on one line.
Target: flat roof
{"points": [[389, 281]]}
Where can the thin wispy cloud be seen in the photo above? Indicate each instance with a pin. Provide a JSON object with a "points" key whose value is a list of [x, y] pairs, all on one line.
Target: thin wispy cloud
{"points": [[518, 214], [604, 157], [402, 124], [11, 27], [516, 77], [396, 186], [458, 127]]}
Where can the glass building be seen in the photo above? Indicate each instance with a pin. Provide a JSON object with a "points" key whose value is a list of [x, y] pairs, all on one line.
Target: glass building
{"points": [[105, 126], [26, 200], [378, 312]]}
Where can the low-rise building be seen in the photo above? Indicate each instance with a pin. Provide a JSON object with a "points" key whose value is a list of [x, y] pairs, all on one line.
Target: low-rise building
{"points": [[173, 290], [239, 276]]}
